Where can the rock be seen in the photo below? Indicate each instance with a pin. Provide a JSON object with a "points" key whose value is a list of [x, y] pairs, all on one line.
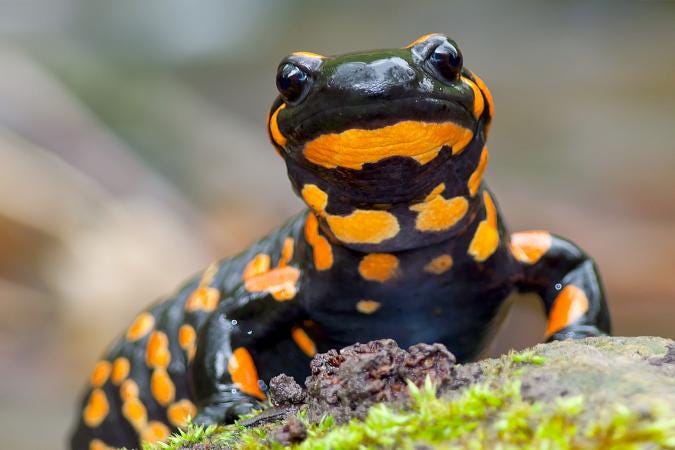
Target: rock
{"points": [[615, 391]]}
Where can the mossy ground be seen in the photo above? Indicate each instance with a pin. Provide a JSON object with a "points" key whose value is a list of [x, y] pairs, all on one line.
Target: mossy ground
{"points": [[503, 410]]}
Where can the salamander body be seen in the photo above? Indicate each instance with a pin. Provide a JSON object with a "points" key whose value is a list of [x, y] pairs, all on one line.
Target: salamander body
{"points": [[401, 239]]}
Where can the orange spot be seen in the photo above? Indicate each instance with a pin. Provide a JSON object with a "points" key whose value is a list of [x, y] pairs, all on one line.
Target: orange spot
{"points": [[364, 226], [261, 263], [120, 370], [128, 389], [157, 352], [155, 431], [568, 307], [179, 412], [162, 387], [286, 252], [439, 265], [486, 239], [134, 411], [280, 282], [308, 55], [436, 213], [420, 39], [97, 444], [378, 267], [314, 197], [96, 409], [303, 341], [529, 246], [322, 252], [477, 175], [203, 299], [244, 374], [353, 148], [368, 306], [141, 326], [478, 102], [100, 373], [187, 339], [277, 137]]}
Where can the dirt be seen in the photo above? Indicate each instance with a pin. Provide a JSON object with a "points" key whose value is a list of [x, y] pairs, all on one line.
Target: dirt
{"points": [[347, 382]]}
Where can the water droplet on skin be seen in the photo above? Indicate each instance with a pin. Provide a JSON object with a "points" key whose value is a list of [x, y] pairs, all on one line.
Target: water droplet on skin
{"points": [[234, 322], [558, 286], [249, 332]]}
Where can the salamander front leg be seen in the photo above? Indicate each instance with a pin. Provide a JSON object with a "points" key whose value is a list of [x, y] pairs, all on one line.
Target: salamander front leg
{"points": [[225, 373], [567, 281]]}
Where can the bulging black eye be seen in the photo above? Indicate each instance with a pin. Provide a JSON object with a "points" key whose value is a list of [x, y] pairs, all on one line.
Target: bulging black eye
{"points": [[446, 60], [292, 83]]}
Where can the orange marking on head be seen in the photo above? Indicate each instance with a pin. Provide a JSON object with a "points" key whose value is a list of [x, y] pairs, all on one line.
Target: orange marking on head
{"points": [[155, 431], [135, 412], [568, 307], [529, 246], [120, 370], [488, 97], [314, 197], [129, 389], [436, 213], [97, 408], [157, 352], [477, 175], [244, 373], [260, 263], [162, 387], [420, 39], [203, 299], [322, 252], [277, 136], [179, 413], [303, 341], [439, 264], [486, 239], [364, 226], [280, 282], [187, 339], [367, 306], [97, 444], [286, 252], [141, 326], [478, 102], [353, 148], [379, 267], [308, 55], [100, 373]]}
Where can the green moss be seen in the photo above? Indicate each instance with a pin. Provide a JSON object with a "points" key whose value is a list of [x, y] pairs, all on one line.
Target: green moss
{"points": [[527, 357], [478, 417]]}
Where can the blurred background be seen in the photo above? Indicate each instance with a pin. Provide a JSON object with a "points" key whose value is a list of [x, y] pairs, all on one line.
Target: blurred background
{"points": [[133, 152]]}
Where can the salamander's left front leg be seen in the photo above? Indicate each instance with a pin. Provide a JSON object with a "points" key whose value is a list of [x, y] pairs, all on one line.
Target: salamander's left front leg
{"points": [[567, 281]]}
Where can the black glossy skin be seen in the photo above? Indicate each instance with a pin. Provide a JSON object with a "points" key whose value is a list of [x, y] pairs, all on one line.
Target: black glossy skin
{"points": [[460, 307]]}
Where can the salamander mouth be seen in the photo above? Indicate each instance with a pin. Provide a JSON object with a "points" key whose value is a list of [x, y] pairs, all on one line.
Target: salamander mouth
{"points": [[338, 116]]}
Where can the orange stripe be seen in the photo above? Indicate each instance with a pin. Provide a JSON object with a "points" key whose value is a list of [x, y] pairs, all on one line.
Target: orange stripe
{"points": [[244, 373], [421, 141], [568, 307], [478, 102], [477, 175], [486, 239], [303, 341], [277, 136], [100, 373], [420, 39]]}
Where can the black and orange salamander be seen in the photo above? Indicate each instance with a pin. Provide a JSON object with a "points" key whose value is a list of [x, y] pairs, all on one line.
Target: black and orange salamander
{"points": [[402, 239]]}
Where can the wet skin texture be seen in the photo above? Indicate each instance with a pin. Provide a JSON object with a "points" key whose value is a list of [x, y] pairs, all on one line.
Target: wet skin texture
{"points": [[401, 240]]}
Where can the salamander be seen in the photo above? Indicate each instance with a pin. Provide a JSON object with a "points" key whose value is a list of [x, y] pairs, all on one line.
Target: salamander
{"points": [[401, 238]]}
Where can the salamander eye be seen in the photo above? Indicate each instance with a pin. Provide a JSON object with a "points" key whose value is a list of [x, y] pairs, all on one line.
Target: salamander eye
{"points": [[292, 83], [446, 59]]}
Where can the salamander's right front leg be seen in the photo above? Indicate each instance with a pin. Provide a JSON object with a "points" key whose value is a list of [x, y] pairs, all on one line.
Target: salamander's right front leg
{"points": [[224, 374]]}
